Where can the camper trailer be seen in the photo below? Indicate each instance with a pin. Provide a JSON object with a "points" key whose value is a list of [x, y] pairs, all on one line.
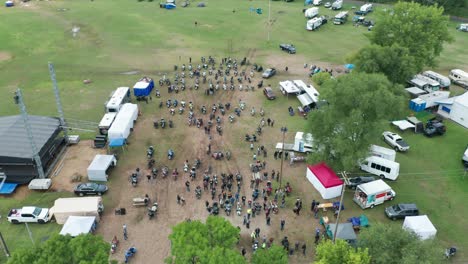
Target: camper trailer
{"points": [[385, 153], [364, 10], [459, 77], [337, 5], [317, 2], [341, 18], [424, 83], [315, 23], [311, 12], [119, 97], [373, 193], [441, 79], [381, 167]]}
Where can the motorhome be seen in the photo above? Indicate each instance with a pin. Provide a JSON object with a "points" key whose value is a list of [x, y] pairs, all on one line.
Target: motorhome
{"points": [[119, 97], [381, 167], [373, 193], [364, 10], [315, 23], [341, 18], [459, 77], [424, 83], [311, 12], [337, 5], [441, 79]]}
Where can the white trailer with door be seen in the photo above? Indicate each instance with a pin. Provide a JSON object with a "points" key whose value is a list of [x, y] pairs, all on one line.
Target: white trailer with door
{"points": [[124, 122], [373, 193]]}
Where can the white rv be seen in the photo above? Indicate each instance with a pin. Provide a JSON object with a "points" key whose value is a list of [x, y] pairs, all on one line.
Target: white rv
{"points": [[364, 9], [385, 153], [459, 77], [341, 18], [317, 2], [381, 167], [337, 5], [106, 122], [424, 83], [315, 23], [119, 97], [441, 79], [311, 12]]}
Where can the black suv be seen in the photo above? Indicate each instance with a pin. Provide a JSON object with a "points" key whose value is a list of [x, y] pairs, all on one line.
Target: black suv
{"points": [[434, 127], [289, 48], [400, 211], [354, 182]]}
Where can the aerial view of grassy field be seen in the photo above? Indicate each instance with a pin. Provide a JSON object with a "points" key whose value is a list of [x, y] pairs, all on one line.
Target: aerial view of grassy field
{"points": [[117, 42]]}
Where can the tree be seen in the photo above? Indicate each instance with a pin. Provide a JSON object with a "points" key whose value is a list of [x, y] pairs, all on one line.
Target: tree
{"points": [[340, 252], [321, 77], [83, 249], [392, 244], [421, 29], [274, 254], [359, 104], [395, 62], [196, 242]]}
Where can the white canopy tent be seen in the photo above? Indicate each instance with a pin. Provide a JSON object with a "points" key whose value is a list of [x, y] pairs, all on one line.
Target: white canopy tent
{"points": [[97, 170], [82, 206], [77, 225], [421, 225]]}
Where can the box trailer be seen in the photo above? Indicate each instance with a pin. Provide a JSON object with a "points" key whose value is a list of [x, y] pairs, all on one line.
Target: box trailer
{"points": [[373, 193], [118, 97], [124, 122]]}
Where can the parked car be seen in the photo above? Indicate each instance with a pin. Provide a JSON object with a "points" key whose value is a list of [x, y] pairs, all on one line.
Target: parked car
{"points": [[434, 127], [289, 48], [269, 93], [327, 5], [400, 211], [354, 182], [465, 157], [269, 73], [30, 214], [395, 141], [90, 188]]}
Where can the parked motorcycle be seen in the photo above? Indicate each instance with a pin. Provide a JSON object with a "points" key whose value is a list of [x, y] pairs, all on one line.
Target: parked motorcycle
{"points": [[150, 152], [152, 210], [114, 244], [450, 252], [134, 179]]}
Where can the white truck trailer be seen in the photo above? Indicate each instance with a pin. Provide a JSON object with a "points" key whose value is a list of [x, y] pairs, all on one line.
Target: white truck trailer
{"points": [[373, 193]]}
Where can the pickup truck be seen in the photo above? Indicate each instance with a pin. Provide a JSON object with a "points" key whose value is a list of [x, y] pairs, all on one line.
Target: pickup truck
{"points": [[395, 141], [29, 214]]}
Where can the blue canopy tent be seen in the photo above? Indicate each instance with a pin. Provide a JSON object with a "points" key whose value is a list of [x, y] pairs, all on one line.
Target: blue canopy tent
{"points": [[307, 2], [143, 87], [349, 66], [117, 142], [170, 6], [8, 188]]}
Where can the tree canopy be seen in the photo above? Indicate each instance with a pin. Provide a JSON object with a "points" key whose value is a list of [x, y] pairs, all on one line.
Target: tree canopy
{"points": [[340, 252], [421, 29], [210, 242], [391, 244], [83, 249], [395, 62], [274, 254], [359, 104]]}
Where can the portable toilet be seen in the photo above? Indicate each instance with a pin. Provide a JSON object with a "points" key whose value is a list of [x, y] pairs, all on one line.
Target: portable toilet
{"points": [[417, 104]]}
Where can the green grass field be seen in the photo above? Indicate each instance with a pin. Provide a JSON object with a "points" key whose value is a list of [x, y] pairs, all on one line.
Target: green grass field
{"points": [[120, 36]]}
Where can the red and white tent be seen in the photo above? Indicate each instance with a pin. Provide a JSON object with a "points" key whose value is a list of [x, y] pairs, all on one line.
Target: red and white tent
{"points": [[325, 180]]}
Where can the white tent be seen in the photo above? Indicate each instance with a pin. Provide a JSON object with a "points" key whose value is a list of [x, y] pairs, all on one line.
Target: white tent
{"points": [[77, 225], [324, 179], [421, 225], [82, 206], [97, 170]]}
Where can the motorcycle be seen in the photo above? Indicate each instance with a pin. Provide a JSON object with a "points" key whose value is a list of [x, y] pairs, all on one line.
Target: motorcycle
{"points": [[172, 111], [252, 111], [156, 124], [228, 208], [130, 253], [181, 110], [198, 192], [134, 179], [242, 105], [114, 244], [175, 173], [450, 252], [152, 210], [231, 118], [239, 208], [262, 112], [170, 154], [154, 171], [197, 163], [186, 166], [203, 110], [165, 171], [162, 123], [150, 152], [218, 120], [151, 163]]}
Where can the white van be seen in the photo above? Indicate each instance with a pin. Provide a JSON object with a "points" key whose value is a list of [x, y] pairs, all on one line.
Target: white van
{"points": [[459, 77], [119, 97], [441, 79], [381, 167]]}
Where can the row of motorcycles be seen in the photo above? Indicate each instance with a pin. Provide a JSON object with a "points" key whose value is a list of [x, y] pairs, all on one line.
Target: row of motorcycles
{"points": [[162, 123]]}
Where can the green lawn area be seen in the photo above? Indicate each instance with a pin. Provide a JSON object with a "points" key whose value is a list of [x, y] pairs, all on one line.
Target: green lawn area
{"points": [[121, 35]]}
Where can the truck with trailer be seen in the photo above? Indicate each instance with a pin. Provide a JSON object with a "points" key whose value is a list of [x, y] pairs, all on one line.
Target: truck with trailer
{"points": [[373, 193], [302, 143], [29, 214], [341, 18]]}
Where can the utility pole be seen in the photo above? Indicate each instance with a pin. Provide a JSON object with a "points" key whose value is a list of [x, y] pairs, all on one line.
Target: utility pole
{"points": [[30, 234], [283, 130], [4, 246], [19, 100], [269, 19], [63, 125], [343, 174]]}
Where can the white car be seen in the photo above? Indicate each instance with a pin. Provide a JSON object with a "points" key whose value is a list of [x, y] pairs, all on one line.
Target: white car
{"points": [[395, 141]]}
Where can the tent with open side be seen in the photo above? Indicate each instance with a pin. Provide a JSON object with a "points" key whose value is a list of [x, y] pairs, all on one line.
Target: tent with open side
{"points": [[325, 180], [77, 225], [97, 170], [420, 225], [82, 206], [344, 231]]}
